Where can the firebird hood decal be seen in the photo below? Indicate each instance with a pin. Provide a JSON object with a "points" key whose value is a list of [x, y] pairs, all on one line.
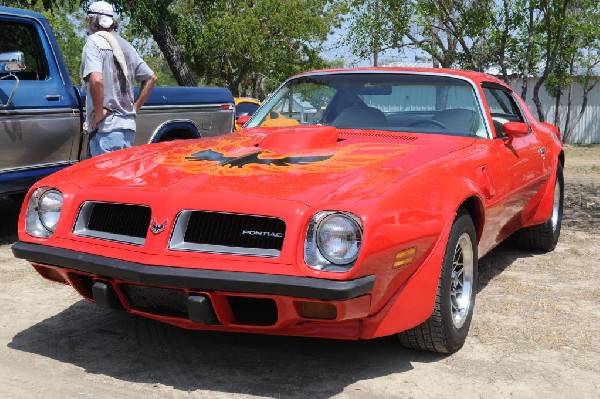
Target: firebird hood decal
{"points": [[239, 156], [254, 158]]}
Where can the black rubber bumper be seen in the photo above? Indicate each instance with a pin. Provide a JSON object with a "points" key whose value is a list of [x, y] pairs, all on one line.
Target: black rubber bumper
{"points": [[197, 279]]}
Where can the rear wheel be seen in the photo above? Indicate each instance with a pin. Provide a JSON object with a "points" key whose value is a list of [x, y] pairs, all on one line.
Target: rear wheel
{"points": [[447, 328], [544, 237]]}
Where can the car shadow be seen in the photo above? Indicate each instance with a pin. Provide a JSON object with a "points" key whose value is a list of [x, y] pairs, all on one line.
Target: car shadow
{"points": [[131, 348], [498, 260]]}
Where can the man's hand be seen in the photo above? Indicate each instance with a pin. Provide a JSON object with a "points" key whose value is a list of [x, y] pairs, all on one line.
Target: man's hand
{"points": [[98, 116]]}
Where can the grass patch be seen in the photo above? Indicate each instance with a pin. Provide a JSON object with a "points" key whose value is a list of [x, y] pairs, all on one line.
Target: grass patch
{"points": [[583, 151]]}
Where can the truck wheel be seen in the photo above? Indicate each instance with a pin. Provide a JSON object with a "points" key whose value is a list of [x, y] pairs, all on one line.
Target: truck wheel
{"points": [[447, 328], [544, 237]]}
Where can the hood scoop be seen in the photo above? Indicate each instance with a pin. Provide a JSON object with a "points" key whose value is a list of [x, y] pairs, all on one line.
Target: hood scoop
{"points": [[301, 138]]}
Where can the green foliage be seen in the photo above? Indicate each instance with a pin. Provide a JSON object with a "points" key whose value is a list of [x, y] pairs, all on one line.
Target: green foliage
{"points": [[39, 5], [69, 30], [142, 41], [252, 45], [378, 25]]}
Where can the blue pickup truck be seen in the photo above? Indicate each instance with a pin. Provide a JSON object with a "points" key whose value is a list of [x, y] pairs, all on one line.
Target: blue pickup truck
{"points": [[42, 112]]}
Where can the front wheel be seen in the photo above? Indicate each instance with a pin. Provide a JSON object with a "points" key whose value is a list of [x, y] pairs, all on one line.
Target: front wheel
{"points": [[447, 328]]}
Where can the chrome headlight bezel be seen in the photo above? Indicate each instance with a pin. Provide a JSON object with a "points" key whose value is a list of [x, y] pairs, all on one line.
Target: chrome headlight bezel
{"points": [[43, 212], [318, 255]]}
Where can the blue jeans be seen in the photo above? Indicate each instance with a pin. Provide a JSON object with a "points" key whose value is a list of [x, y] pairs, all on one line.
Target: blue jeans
{"points": [[102, 143]]}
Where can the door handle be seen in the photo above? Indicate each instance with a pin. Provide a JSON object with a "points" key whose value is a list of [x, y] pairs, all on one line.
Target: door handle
{"points": [[53, 97], [542, 150]]}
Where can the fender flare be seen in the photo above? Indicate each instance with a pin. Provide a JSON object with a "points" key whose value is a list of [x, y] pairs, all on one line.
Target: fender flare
{"points": [[403, 312], [182, 125]]}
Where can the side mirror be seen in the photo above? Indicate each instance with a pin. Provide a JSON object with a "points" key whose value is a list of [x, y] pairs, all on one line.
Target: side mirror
{"points": [[12, 62], [513, 130], [9, 63], [242, 119]]}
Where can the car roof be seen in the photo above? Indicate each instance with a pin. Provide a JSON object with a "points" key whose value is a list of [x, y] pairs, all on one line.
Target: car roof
{"points": [[471, 75]]}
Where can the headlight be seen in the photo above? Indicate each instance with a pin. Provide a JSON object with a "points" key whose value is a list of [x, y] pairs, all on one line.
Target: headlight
{"points": [[43, 212], [333, 241]]}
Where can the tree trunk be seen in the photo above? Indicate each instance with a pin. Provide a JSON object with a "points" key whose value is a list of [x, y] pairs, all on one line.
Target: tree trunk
{"points": [[163, 35], [161, 27], [557, 109], [587, 88], [503, 40], [569, 98], [536, 98], [528, 53]]}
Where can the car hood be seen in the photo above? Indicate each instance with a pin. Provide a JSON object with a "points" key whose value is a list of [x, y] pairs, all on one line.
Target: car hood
{"points": [[300, 164]]}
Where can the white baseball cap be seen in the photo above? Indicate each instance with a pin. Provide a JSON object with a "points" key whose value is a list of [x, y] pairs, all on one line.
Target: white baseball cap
{"points": [[104, 11]]}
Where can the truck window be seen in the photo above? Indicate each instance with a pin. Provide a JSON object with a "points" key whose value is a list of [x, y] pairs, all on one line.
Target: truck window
{"points": [[23, 37]]}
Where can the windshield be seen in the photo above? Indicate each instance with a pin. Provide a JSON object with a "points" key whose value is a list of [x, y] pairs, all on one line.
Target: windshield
{"points": [[376, 101]]}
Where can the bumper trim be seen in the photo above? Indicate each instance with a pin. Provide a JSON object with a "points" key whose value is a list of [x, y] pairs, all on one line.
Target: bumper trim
{"points": [[197, 279]]}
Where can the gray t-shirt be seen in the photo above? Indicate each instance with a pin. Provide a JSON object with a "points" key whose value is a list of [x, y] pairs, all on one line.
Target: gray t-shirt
{"points": [[118, 95]]}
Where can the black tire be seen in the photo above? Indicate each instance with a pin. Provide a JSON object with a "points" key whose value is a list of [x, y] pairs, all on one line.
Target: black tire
{"points": [[447, 328], [544, 237]]}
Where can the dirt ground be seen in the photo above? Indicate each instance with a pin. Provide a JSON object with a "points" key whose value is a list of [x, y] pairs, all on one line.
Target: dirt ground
{"points": [[535, 333]]}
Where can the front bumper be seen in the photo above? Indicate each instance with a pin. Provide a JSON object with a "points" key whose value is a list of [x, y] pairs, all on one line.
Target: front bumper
{"points": [[208, 299], [256, 283]]}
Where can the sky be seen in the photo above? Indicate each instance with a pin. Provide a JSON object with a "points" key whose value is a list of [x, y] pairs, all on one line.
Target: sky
{"points": [[334, 48]]}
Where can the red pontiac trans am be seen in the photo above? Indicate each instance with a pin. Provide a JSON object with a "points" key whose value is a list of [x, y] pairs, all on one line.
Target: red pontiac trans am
{"points": [[359, 210]]}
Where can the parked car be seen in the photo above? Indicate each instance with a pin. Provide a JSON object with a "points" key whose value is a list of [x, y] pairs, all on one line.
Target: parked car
{"points": [[244, 107], [42, 112], [366, 219]]}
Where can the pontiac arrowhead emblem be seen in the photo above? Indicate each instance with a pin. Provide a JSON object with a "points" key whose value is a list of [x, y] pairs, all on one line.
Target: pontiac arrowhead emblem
{"points": [[157, 228]]}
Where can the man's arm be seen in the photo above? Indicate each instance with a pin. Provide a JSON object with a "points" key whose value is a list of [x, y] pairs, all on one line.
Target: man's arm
{"points": [[97, 91], [145, 89]]}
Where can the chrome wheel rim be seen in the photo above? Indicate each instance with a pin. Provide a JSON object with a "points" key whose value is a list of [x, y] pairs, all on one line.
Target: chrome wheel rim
{"points": [[556, 206], [461, 285]]}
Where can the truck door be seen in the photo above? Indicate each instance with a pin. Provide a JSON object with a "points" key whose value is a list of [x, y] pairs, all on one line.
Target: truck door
{"points": [[41, 124]]}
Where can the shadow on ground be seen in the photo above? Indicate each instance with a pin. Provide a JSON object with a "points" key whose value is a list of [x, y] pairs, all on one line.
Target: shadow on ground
{"points": [[9, 215], [135, 349], [498, 260]]}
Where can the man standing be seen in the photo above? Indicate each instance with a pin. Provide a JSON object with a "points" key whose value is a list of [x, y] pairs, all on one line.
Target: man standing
{"points": [[110, 68]]}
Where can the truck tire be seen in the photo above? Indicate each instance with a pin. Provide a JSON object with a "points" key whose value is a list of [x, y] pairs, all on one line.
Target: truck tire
{"points": [[544, 237], [446, 329]]}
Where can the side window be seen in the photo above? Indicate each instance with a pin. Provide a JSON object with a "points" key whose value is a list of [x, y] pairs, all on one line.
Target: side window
{"points": [[24, 38], [502, 107]]}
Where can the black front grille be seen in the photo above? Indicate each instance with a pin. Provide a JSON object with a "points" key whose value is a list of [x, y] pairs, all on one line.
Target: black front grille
{"points": [[126, 220], [234, 230]]}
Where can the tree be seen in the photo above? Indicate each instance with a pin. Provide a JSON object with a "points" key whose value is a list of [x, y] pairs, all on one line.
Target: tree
{"points": [[553, 28], [377, 26], [164, 23], [68, 27], [585, 38], [252, 45], [458, 31]]}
